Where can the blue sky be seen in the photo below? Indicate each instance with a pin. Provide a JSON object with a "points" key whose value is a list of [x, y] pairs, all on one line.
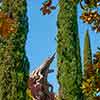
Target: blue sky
{"points": [[41, 37]]}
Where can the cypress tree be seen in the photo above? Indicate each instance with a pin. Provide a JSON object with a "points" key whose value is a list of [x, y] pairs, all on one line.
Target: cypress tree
{"points": [[88, 69], [14, 65], [68, 50], [87, 53]]}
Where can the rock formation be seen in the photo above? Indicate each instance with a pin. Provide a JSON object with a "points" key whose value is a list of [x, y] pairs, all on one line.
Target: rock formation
{"points": [[40, 88]]}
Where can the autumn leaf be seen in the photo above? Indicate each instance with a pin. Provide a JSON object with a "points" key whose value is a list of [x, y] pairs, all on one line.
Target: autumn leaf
{"points": [[86, 87], [47, 3], [47, 7], [93, 18], [45, 11]]}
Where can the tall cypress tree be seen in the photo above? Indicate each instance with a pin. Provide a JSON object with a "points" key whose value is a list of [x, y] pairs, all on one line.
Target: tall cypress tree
{"points": [[14, 66], [88, 69], [68, 50], [87, 53]]}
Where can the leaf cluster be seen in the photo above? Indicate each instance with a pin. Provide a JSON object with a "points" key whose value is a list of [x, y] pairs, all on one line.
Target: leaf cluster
{"points": [[47, 7], [91, 14], [91, 85]]}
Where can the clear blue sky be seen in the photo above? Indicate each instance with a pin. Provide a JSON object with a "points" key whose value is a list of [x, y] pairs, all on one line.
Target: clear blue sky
{"points": [[41, 37]]}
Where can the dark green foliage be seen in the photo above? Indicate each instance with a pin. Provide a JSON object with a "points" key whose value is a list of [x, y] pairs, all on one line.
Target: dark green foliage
{"points": [[68, 59], [14, 65], [87, 53]]}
